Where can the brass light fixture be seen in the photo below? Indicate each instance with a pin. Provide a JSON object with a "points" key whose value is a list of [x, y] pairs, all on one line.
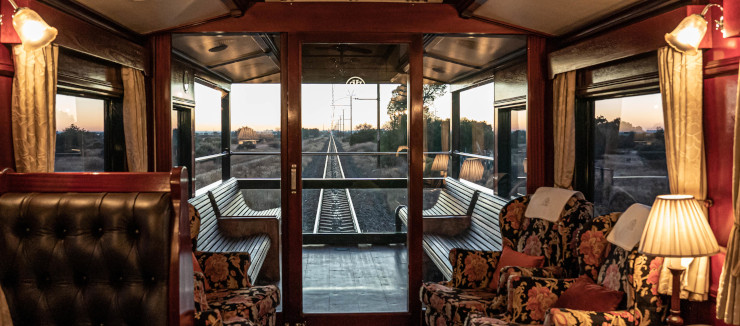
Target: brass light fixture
{"points": [[690, 31], [33, 31]]}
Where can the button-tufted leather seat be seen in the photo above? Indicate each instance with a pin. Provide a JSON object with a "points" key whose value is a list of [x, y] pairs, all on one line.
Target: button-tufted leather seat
{"points": [[85, 258]]}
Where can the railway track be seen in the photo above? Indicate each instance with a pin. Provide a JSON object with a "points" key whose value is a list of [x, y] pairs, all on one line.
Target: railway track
{"points": [[335, 213]]}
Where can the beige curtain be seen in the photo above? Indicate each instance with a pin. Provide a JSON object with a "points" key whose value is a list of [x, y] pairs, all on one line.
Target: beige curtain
{"points": [[33, 121], [564, 128], [728, 296], [134, 119], [681, 84]]}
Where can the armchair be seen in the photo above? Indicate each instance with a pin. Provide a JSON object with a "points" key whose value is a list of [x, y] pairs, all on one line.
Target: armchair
{"points": [[471, 289], [530, 298]]}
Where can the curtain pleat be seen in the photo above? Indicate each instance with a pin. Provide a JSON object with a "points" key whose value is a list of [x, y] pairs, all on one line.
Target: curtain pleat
{"points": [[134, 119], [681, 86], [728, 295], [564, 128], [33, 96]]}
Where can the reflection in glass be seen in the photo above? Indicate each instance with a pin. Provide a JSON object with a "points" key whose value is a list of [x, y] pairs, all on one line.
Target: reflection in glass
{"points": [[80, 134], [629, 152], [207, 121]]}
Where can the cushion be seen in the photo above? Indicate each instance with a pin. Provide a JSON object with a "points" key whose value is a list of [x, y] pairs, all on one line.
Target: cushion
{"points": [[628, 230], [548, 203], [510, 257], [584, 294]]}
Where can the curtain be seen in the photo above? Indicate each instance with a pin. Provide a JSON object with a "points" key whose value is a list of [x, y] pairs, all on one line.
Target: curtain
{"points": [[564, 128], [33, 96], [134, 119], [728, 296], [681, 84]]}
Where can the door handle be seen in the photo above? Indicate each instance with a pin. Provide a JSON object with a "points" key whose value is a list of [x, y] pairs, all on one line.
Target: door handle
{"points": [[293, 178]]}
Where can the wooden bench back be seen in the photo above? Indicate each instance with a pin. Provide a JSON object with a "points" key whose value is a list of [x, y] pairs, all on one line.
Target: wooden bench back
{"points": [[225, 197]]}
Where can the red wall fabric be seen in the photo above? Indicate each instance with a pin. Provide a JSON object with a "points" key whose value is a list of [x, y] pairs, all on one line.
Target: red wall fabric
{"points": [[6, 83]]}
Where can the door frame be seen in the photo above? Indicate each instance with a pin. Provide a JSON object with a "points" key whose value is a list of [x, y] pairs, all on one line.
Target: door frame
{"points": [[291, 158]]}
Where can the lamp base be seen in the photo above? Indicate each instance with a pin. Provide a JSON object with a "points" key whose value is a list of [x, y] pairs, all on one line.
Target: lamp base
{"points": [[674, 319]]}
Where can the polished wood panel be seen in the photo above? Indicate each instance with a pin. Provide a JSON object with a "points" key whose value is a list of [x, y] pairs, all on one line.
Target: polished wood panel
{"points": [[79, 73], [161, 49], [7, 160], [416, 173], [732, 18], [641, 37], [81, 36], [182, 83], [350, 17], [539, 117], [85, 182]]}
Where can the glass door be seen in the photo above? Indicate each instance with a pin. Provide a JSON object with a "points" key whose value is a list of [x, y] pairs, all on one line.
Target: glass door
{"points": [[354, 174]]}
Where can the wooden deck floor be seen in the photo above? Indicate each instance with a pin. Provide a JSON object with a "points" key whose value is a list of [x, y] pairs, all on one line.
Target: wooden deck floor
{"points": [[350, 279]]}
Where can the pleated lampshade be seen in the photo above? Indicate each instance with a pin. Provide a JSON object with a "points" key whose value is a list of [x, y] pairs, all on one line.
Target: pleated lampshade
{"points": [[440, 162], [677, 227], [472, 169]]}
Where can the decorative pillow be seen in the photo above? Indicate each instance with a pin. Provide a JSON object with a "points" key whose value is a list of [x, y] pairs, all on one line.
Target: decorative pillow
{"points": [[509, 257], [584, 294]]}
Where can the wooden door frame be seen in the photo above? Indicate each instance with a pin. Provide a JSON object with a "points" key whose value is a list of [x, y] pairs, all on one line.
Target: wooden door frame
{"points": [[292, 200]]}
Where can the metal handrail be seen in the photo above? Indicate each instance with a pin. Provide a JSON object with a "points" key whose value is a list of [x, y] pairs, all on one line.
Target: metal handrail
{"points": [[482, 157], [210, 157], [341, 153]]}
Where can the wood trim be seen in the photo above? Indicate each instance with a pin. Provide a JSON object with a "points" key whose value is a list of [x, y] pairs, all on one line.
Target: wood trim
{"points": [[634, 39], [78, 35], [539, 117], [7, 156], [511, 102], [161, 91], [85, 182], [95, 19], [637, 84], [631, 14], [291, 147], [181, 266], [716, 68], [465, 8], [416, 174], [350, 17]]}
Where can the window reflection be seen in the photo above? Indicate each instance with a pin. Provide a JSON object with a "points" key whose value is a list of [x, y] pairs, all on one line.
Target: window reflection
{"points": [[629, 152]]}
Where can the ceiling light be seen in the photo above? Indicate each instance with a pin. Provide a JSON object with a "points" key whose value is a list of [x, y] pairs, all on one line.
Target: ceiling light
{"points": [[33, 31], [218, 48], [690, 31]]}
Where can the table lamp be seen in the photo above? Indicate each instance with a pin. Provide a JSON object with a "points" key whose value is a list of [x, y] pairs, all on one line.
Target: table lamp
{"points": [[677, 227]]}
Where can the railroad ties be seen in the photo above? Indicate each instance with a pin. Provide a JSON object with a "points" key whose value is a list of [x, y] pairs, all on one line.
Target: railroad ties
{"points": [[335, 213]]}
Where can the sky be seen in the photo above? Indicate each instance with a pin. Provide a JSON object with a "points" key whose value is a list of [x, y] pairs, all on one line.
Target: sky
{"points": [[86, 113], [645, 111]]}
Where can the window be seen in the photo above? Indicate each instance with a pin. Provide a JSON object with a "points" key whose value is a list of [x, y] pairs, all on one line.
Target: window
{"points": [[477, 135], [512, 152], [629, 164], [255, 128], [80, 143], [207, 135]]}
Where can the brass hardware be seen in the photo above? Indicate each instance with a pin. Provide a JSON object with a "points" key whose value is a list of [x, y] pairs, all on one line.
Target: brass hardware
{"points": [[293, 177]]}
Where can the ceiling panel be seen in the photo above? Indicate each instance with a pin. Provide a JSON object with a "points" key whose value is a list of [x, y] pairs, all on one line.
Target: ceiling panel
{"points": [[556, 17], [197, 47], [474, 50], [145, 16]]}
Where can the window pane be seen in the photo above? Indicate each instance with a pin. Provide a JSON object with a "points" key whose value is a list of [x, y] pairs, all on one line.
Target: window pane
{"points": [[517, 175], [207, 121], [80, 134], [207, 172], [629, 152], [476, 135], [255, 127]]}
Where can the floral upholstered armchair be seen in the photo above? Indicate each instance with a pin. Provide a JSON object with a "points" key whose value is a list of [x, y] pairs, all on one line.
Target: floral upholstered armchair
{"points": [[471, 287], [530, 298], [223, 292]]}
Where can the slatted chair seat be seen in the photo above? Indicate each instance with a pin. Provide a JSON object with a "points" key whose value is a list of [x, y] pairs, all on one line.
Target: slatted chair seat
{"points": [[211, 238], [459, 199], [228, 201]]}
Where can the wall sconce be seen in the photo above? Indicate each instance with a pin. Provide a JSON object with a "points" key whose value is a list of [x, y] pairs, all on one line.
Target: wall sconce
{"points": [[690, 31], [33, 31]]}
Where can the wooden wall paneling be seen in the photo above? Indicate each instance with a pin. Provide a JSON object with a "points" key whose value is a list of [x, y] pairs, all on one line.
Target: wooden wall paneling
{"points": [[416, 173], [7, 159], [7, 32], [539, 117], [732, 18], [350, 17], [162, 100], [634, 39], [183, 83], [81, 36], [79, 73]]}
